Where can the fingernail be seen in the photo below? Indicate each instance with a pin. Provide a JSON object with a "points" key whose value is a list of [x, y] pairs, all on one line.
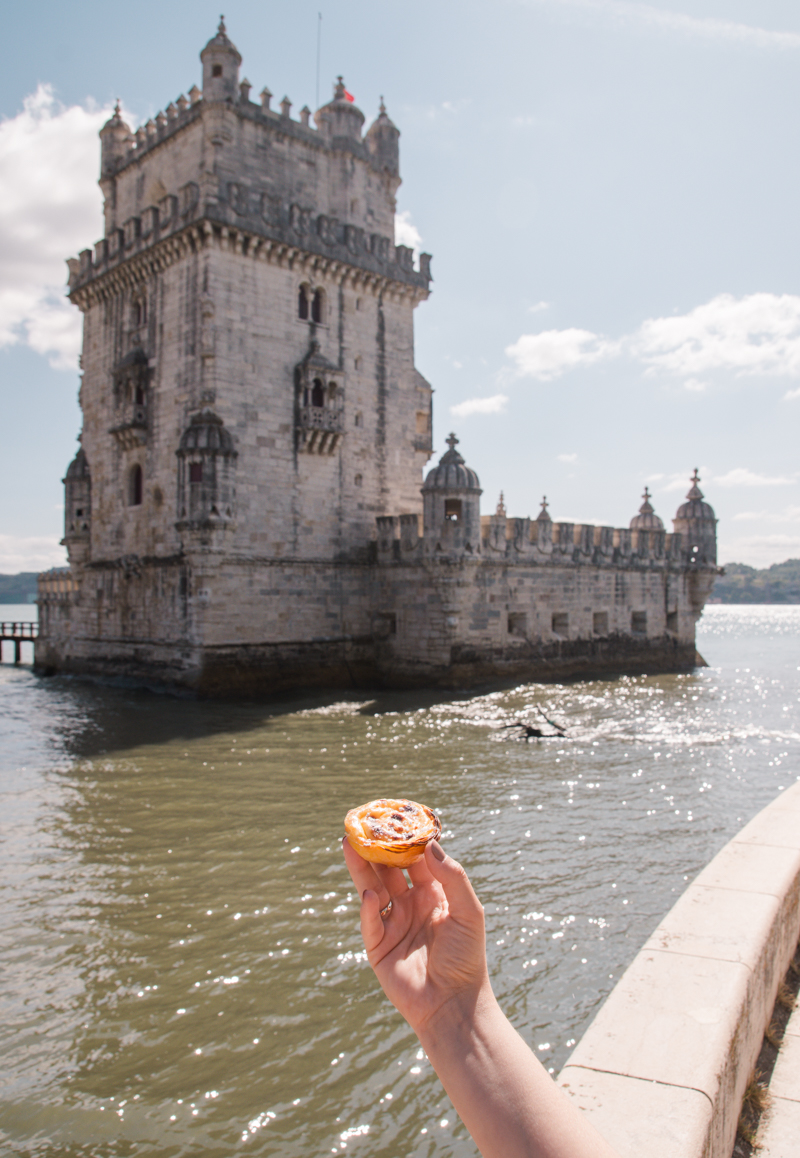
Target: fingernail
{"points": [[437, 850]]}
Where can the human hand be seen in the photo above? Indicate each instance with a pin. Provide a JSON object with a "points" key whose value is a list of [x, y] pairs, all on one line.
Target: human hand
{"points": [[430, 948]]}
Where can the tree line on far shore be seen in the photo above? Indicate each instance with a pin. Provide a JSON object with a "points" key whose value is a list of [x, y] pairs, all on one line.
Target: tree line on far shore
{"points": [[779, 583]]}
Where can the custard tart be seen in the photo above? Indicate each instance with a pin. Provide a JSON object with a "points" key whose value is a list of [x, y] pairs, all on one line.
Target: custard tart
{"points": [[393, 832]]}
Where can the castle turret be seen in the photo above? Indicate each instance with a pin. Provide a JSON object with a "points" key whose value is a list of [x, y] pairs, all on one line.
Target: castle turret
{"points": [[221, 62], [115, 140], [451, 504], [340, 117], [383, 142], [647, 519], [77, 509], [697, 524]]}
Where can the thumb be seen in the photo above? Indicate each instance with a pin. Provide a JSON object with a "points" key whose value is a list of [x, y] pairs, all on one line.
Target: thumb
{"points": [[461, 899]]}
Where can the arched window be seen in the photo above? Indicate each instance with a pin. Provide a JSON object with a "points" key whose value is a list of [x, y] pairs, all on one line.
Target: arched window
{"points": [[302, 303], [317, 393], [135, 486], [316, 306]]}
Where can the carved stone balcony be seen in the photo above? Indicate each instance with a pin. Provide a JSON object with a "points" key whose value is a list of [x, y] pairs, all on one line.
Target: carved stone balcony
{"points": [[131, 431], [319, 429]]}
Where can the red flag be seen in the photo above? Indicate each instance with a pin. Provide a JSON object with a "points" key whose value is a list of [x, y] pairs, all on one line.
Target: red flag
{"points": [[348, 96]]}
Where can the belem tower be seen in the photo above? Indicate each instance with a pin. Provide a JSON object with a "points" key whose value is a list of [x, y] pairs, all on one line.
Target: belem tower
{"points": [[245, 511]]}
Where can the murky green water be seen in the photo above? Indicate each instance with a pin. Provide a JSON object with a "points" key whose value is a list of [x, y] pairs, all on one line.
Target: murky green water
{"points": [[181, 966]]}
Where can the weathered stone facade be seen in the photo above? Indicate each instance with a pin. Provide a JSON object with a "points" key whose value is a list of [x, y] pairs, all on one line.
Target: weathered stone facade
{"points": [[251, 407]]}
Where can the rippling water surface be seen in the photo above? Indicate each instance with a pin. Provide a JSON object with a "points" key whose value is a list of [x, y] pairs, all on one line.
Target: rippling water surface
{"points": [[181, 965]]}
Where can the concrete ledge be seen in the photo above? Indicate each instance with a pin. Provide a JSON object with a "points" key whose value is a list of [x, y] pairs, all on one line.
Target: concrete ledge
{"points": [[663, 1067]]}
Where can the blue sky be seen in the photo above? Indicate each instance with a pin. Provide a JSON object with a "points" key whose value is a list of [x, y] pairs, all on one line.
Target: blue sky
{"points": [[610, 190]]}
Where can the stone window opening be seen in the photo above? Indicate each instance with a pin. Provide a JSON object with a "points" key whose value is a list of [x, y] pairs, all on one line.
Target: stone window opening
{"points": [[639, 622], [357, 362], [139, 395], [317, 306], [359, 480], [600, 623], [139, 311], [195, 472], [672, 621], [302, 303], [359, 419], [453, 510], [317, 393], [216, 70], [135, 486], [358, 303], [517, 623], [560, 623]]}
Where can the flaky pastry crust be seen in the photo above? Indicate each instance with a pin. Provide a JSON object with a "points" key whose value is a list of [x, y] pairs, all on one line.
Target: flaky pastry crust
{"points": [[393, 832]]}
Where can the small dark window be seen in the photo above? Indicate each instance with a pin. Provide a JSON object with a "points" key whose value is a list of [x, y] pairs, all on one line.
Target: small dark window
{"points": [[560, 623], [359, 480], [517, 623], [302, 303], [195, 472], [600, 623], [672, 621], [135, 488], [316, 307], [639, 622], [216, 70], [317, 393], [452, 510], [140, 395], [79, 512]]}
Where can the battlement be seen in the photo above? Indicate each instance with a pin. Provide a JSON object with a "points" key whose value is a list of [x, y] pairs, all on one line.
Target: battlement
{"points": [[514, 540]]}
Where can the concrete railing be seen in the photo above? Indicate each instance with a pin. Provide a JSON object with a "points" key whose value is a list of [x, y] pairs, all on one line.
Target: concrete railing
{"points": [[663, 1067]]}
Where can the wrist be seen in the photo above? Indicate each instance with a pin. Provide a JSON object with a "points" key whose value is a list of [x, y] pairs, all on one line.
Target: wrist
{"points": [[459, 1017]]}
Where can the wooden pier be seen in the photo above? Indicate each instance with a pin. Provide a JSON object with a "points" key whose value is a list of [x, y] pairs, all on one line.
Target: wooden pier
{"points": [[18, 632]]}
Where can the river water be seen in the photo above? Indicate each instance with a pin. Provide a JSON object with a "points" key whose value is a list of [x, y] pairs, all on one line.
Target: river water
{"points": [[181, 964]]}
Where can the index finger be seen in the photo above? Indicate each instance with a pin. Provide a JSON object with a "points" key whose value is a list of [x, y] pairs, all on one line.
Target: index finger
{"points": [[361, 871]]}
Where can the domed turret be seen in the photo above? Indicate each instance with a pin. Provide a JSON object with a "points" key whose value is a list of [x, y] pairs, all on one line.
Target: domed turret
{"points": [[340, 117], [206, 461], [647, 519], [697, 524], [451, 504], [77, 509], [383, 142], [115, 140], [221, 62]]}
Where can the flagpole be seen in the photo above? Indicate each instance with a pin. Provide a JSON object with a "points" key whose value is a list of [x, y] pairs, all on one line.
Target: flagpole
{"points": [[319, 37]]}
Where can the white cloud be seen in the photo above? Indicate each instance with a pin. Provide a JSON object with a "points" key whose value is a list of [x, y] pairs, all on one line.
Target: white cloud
{"points": [[567, 457], [755, 334], [406, 232], [538, 308], [494, 405], [740, 476], [32, 553], [50, 208], [789, 515], [760, 550], [705, 27], [550, 354]]}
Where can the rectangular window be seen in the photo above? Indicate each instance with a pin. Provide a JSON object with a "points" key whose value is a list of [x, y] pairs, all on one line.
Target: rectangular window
{"points": [[423, 421], [600, 623], [452, 510], [195, 472], [560, 623], [672, 621], [639, 622], [517, 623]]}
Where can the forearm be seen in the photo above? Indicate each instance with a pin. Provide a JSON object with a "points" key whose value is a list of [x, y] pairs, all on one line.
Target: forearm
{"points": [[503, 1095]]}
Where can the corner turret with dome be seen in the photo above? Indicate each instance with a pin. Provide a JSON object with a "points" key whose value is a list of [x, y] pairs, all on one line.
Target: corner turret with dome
{"points": [[451, 503], [696, 522], [647, 519], [221, 61]]}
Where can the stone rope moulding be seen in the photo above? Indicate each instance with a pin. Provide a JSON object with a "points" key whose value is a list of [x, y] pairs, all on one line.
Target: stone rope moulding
{"points": [[662, 1069]]}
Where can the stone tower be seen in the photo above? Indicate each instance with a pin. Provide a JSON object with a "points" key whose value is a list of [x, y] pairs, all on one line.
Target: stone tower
{"points": [[249, 395]]}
